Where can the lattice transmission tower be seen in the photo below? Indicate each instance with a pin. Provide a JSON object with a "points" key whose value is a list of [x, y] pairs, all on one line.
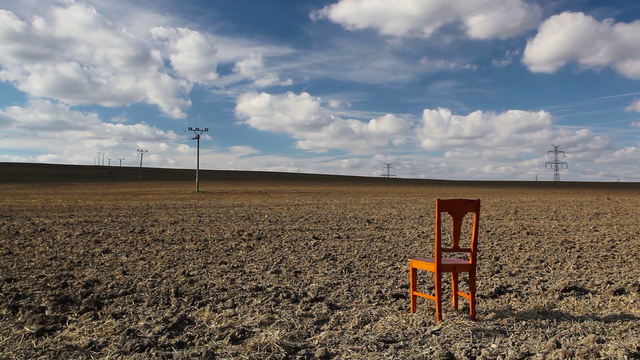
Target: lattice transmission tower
{"points": [[388, 168], [556, 164]]}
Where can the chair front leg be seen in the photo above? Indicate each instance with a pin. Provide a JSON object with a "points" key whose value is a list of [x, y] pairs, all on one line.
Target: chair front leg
{"points": [[472, 294], [438, 295]]}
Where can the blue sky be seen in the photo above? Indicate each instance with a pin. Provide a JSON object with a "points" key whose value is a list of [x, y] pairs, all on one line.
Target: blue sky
{"points": [[467, 89]]}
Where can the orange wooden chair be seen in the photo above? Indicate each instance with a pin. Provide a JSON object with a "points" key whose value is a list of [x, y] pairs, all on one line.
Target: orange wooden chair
{"points": [[457, 208]]}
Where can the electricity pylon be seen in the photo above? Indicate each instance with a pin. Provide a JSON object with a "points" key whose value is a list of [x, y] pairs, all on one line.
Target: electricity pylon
{"points": [[388, 169], [556, 164]]}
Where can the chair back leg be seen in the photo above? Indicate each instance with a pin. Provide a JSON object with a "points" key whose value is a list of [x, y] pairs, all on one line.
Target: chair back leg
{"points": [[413, 278]]}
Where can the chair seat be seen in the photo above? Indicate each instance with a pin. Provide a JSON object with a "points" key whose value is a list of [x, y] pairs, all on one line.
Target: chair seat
{"points": [[448, 264]]}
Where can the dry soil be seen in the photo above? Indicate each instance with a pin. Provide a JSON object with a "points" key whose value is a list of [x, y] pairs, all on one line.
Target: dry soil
{"points": [[274, 270]]}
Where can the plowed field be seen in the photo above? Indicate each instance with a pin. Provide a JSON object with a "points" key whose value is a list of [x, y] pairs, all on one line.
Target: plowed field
{"points": [[267, 270]]}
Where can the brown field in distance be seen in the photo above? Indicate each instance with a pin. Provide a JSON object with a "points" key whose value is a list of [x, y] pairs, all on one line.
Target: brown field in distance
{"points": [[268, 265]]}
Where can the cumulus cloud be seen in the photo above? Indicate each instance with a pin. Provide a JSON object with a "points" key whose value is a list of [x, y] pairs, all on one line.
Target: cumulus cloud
{"points": [[418, 18], [77, 56], [56, 133], [635, 106], [625, 155], [56, 121], [522, 131], [593, 44], [508, 58], [253, 68], [303, 118], [192, 54]]}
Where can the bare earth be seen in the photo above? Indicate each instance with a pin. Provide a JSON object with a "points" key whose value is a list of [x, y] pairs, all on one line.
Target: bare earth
{"points": [[302, 271]]}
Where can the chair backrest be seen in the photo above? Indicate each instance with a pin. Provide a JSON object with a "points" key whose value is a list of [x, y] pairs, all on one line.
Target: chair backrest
{"points": [[457, 208]]}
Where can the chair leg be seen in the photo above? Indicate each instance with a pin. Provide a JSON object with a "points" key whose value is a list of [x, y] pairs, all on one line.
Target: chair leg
{"points": [[413, 279], [454, 289], [438, 296], [472, 294]]}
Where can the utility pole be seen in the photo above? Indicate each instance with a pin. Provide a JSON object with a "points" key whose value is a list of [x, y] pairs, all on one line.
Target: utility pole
{"points": [[556, 164], [536, 177], [198, 132], [99, 153], [141, 151], [109, 162], [120, 170], [388, 169]]}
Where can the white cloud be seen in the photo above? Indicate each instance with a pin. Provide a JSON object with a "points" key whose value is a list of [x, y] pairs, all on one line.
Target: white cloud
{"points": [[635, 124], [444, 64], [303, 118], [591, 43], [626, 155], [352, 163], [508, 58], [253, 68], [418, 17], [635, 106], [46, 157], [192, 54], [514, 130], [242, 150], [78, 57], [336, 104], [49, 120], [119, 119]]}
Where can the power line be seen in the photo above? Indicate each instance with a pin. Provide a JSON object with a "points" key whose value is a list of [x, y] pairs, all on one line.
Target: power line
{"points": [[556, 164]]}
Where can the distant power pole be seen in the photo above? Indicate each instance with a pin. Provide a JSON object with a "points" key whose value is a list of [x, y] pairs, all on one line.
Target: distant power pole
{"points": [[388, 168], [556, 164], [120, 170], [109, 162], [141, 151], [100, 153], [198, 132], [536, 177]]}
